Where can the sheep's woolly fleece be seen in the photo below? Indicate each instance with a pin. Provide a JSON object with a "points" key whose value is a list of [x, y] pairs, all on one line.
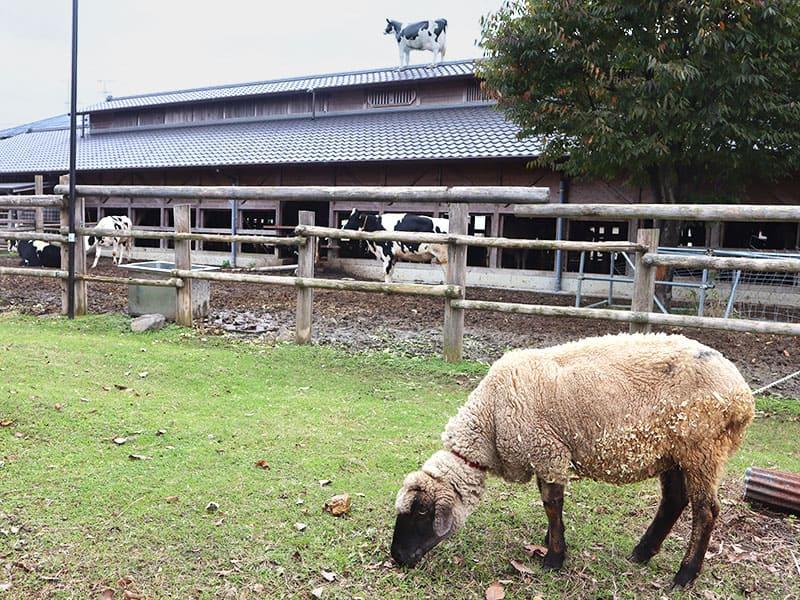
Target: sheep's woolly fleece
{"points": [[616, 408]]}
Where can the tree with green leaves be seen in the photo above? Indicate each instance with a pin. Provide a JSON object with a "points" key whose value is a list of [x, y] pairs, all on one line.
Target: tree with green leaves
{"points": [[693, 99]]}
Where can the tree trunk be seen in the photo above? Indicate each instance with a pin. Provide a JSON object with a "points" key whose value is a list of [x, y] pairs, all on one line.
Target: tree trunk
{"points": [[669, 187]]}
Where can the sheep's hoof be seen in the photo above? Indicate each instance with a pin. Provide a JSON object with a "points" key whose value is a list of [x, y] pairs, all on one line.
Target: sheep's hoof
{"points": [[684, 577], [553, 560], [641, 554]]}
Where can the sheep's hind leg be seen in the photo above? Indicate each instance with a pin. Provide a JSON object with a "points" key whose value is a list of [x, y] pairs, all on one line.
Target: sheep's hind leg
{"points": [[553, 500], [673, 501], [705, 508]]}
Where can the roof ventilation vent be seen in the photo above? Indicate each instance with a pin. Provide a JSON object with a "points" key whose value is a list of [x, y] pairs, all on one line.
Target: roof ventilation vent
{"points": [[398, 97]]}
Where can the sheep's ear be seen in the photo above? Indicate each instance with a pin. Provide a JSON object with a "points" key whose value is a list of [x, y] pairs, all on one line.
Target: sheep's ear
{"points": [[389, 21], [443, 520]]}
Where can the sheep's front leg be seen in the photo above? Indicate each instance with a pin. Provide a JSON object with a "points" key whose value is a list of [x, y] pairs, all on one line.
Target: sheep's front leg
{"points": [[553, 500]]}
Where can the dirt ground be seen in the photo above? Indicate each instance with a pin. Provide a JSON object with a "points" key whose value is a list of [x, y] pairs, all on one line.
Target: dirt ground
{"points": [[405, 324]]}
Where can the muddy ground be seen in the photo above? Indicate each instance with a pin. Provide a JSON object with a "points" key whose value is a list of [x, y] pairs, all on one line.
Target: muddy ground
{"points": [[404, 324]]}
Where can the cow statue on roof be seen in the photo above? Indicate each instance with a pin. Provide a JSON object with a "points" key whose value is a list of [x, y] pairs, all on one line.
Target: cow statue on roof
{"points": [[422, 35]]}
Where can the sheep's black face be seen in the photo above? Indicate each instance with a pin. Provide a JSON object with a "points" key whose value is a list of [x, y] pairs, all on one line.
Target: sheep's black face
{"points": [[419, 530]]}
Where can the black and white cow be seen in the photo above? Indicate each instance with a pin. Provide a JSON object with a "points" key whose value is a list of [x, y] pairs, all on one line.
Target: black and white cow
{"points": [[118, 245], [423, 35], [390, 252], [35, 253]]}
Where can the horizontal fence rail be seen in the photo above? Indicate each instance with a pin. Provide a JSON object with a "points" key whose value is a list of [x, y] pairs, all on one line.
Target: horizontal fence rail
{"points": [[150, 234], [777, 265], [675, 212], [647, 318], [414, 289], [40, 201], [33, 235], [33, 272], [171, 282], [465, 240], [457, 194]]}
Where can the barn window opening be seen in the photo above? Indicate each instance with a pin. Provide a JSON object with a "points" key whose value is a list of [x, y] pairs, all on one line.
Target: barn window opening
{"points": [[593, 231], [396, 97], [258, 222], [170, 224], [760, 235], [476, 93], [216, 221], [146, 218], [528, 229], [479, 226], [693, 235], [90, 214]]}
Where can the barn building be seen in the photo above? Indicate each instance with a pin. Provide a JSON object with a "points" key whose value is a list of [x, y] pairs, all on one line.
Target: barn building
{"points": [[420, 126]]}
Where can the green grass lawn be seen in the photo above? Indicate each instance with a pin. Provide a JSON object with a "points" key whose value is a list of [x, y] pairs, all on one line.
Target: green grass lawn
{"points": [[77, 515]]}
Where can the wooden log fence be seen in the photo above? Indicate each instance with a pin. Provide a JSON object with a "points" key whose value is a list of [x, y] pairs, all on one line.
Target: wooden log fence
{"points": [[674, 212], [447, 194], [453, 291]]}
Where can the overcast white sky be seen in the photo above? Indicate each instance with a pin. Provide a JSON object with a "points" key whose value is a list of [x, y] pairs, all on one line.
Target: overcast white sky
{"points": [[138, 46]]}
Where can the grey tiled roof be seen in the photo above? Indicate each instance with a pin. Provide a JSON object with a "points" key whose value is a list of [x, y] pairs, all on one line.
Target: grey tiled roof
{"points": [[56, 122], [446, 133], [293, 84]]}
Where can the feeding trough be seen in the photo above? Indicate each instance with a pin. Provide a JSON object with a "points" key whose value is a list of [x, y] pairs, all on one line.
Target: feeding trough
{"points": [[146, 299]]}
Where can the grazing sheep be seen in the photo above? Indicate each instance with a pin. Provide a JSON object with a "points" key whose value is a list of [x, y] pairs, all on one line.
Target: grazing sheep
{"points": [[616, 408]]}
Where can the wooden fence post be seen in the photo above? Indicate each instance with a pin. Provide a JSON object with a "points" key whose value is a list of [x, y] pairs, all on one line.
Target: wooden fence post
{"points": [[39, 211], [183, 261], [305, 268], [644, 280], [458, 215], [81, 299], [64, 230]]}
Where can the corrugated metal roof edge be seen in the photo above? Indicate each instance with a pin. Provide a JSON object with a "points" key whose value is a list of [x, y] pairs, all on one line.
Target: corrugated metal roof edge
{"points": [[97, 107]]}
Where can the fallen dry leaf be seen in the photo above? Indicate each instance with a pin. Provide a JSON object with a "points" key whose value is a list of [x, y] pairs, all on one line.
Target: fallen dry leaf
{"points": [[317, 592], [58, 406], [300, 526], [119, 386], [535, 549], [139, 457], [212, 507], [495, 592], [328, 575], [324, 482], [263, 464], [130, 595], [143, 374], [161, 432], [171, 499], [107, 594], [522, 568], [338, 505], [6, 423], [119, 440]]}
